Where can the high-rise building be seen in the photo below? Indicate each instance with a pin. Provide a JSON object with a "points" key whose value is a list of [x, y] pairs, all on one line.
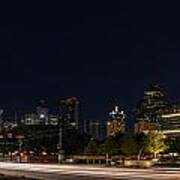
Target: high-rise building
{"points": [[42, 113], [155, 113], [95, 129], [150, 109], [1, 119], [69, 111], [154, 103], [116, 123]]}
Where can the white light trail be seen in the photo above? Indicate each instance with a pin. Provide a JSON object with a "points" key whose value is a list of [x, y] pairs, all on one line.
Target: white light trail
{"points": [[90, 171]]}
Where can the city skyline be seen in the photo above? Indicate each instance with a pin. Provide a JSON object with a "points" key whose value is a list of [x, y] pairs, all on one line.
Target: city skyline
{"points": [[54, 105], [90, 90]]}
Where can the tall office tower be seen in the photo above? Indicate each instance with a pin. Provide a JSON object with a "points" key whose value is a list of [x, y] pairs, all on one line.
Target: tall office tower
{"points": [[1, 119], [69, 111], [1, 116], [150, 109], [42, 113], [94, 129], [116, 123]]}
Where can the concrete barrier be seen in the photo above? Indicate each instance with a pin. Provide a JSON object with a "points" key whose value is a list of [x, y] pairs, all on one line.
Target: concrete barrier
{"points": [[139, 163]]}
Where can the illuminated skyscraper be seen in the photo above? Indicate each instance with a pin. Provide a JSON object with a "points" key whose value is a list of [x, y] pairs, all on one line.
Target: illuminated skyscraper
{"points": [[155, 113], [69, 111], [116, 123], [154, 103], [150, 109], [42, 113]]}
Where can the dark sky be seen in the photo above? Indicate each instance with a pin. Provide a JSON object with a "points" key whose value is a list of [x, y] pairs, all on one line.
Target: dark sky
{"points": [[104, 53]]}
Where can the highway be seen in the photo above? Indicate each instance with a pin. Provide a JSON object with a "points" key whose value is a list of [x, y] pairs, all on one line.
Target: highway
{"points": [[66, 172]]}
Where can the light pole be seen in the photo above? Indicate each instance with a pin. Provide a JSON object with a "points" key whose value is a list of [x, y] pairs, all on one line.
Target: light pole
{"points": [[107, 158], [59, 147], [20, 149]]}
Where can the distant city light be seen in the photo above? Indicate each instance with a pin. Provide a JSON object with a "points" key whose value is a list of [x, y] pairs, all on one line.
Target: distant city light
{"points": [[42, 116]]}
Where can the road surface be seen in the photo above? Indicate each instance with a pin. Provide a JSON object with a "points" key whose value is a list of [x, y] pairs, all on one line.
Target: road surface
{"points": [[66, 172]]}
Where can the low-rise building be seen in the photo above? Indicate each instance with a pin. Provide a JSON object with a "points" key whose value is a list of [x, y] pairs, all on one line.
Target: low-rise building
{"points": [[53, 119], [30, 119]]}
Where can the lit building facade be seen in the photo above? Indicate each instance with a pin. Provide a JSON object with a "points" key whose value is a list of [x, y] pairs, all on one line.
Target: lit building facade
{"points": [[155, 113], [34, 119], [30, 119], [42, 113], [145, 127], [116, 123], [150, 109], [40, 117], [170, 123]]}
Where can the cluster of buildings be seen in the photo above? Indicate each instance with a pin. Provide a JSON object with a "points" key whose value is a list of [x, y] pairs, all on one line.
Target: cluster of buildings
{"points": [[116, 123], [68, 113], [154, 113]]}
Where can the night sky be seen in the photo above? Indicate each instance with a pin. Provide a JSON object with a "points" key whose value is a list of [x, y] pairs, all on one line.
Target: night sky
{"points": [[103, 53]]}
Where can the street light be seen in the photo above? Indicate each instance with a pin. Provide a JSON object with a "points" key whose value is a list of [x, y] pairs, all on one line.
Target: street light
{"points": [[20, 149], [59, 146], [42, 116]]}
